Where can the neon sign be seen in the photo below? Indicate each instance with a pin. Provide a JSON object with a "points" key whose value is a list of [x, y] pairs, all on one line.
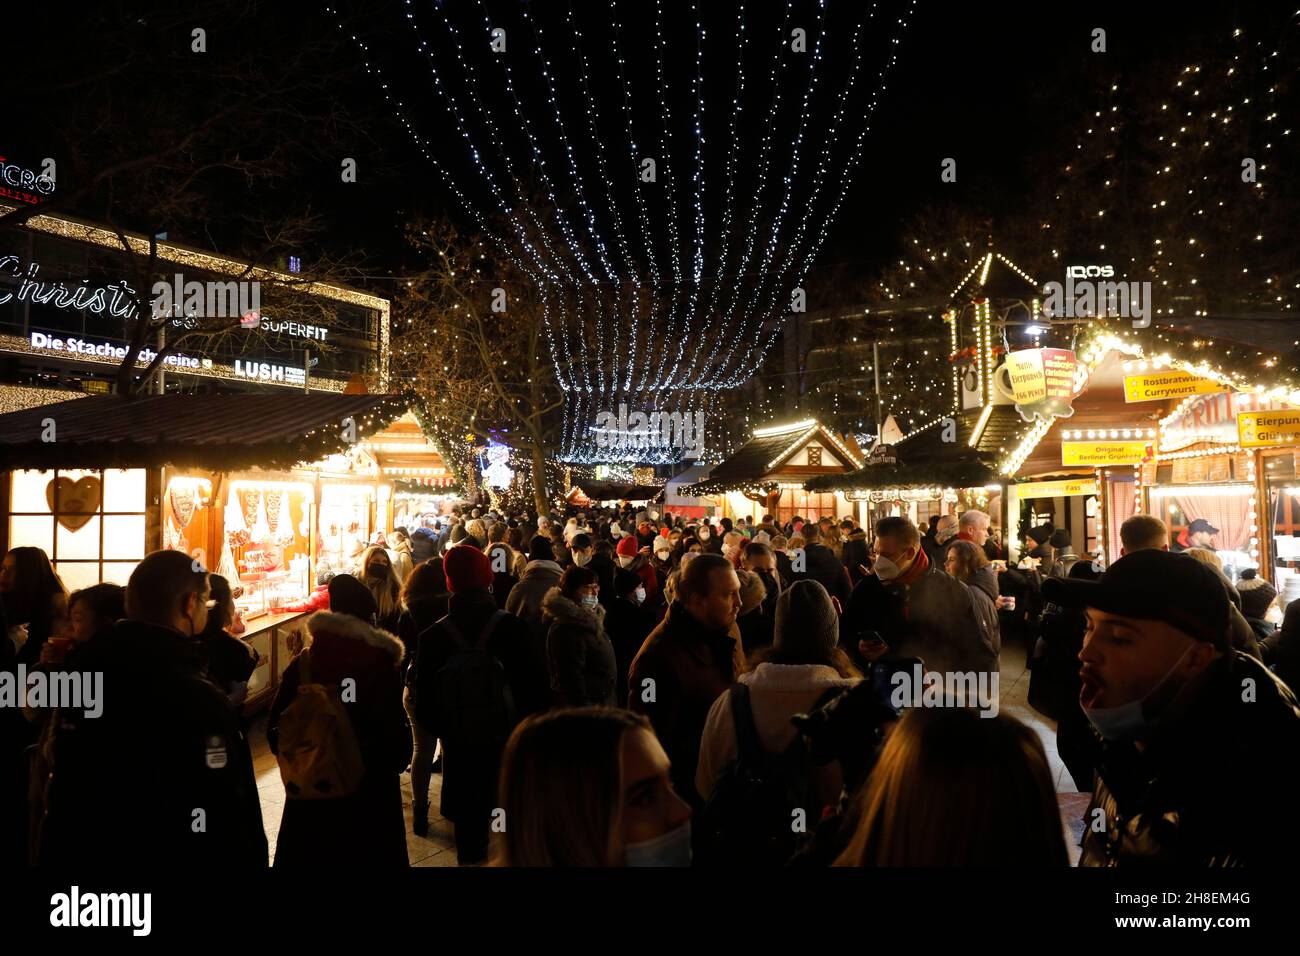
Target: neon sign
{"points": [[25, 185]]}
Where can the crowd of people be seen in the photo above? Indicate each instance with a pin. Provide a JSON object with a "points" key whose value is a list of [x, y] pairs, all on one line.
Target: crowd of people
{"points": [[619, 687]]}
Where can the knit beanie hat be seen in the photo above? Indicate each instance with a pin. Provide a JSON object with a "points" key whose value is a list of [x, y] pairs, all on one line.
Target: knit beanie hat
{"points": [[627, 547], [457, 534], [467, 568], [477, 530], [349, 596], [1256, 594], [1060, 539], [806, 622]]}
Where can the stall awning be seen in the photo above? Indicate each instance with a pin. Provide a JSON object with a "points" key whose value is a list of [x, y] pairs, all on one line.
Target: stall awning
{"points": [[405, 455], [779, 454], [216, 432]]}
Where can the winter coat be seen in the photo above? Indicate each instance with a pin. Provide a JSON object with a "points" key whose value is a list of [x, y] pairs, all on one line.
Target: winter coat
{"points": [[470, 773], [525, 603], [125, 784], [227, 661], [690, 664], [627, 624], [826, 569], [604, 568], [367, 827], [776, 693], [856, 547], [503, 582], [416, 619], [929, 618], [1281, 652], [1191, 798], [580, 658]]}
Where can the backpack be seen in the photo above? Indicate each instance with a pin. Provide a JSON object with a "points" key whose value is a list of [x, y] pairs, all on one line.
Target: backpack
{"points": [[318, 752], [475, 705], [749, 818]]}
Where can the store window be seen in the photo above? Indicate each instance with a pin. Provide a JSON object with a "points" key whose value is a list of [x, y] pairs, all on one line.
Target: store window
{"points": [[90, 523], [1284, 520]]}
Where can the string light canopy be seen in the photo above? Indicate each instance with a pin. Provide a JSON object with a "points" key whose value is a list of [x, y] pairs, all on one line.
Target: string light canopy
{"points": [[666, 174]]}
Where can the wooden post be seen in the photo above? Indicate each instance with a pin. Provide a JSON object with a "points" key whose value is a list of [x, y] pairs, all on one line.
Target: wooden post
{"points": [[1263, 519]]}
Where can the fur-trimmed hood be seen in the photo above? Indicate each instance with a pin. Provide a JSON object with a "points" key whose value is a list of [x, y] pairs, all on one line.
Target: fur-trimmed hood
{"points": [[561, 610], [347, 626]]}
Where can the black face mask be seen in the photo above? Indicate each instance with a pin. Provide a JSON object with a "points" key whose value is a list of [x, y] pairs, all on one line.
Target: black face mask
{"points": [[377, 571]]}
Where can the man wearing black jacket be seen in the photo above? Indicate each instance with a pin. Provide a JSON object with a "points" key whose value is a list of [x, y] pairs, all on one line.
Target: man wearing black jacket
{"points": [[1197, 740], [162, 778], [821, 565]]}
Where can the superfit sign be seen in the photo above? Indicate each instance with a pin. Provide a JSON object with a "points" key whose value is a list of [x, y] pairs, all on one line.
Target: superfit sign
{"points": [[20, 183]]}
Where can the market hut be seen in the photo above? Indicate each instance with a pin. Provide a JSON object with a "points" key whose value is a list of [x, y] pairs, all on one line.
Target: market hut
{"points": [[268, 490], [767, 474]]}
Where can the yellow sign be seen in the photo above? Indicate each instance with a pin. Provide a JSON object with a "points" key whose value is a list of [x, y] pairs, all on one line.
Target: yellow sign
{"points": [[1103, 453], [1170, 384], [1068, 488], [1258, 429]]}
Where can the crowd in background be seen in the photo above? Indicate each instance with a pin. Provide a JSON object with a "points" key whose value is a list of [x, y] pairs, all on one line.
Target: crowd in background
{"points": [[622, 687]]}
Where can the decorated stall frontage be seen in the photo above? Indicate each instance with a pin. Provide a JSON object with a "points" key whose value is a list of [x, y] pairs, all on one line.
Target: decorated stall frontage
{"points": [[593, 492], [422, 483], [1199, 430], [268, 490], [767, 475]]}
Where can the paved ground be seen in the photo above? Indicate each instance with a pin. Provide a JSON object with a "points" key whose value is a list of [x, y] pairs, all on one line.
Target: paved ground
{"points": [[439, 848]]}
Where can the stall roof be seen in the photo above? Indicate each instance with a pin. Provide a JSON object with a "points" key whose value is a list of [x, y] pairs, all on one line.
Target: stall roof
{"points": [[217, 432], [763, 458], [617, 491]]}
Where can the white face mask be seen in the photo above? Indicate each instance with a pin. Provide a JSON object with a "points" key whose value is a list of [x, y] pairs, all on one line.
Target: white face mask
{"points": [[624, 561], [662, 553], [640, 595], [1125, 720], [704, 534], [590, 600], [886, 569], [580, 558], [671, 849]]}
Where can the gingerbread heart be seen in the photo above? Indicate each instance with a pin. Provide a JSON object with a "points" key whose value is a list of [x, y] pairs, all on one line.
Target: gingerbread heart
{"points": [[73, 502]]}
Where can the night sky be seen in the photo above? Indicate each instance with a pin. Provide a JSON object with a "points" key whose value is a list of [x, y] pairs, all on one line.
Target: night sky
{"points": [[988, 84]]}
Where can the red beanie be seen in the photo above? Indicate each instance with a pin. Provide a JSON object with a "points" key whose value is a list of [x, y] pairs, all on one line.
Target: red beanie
{"points": [[466, 568], [627, 546]]}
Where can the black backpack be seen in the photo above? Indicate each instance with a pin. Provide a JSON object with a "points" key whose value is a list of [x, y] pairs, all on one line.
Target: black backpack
{"points": [[749, 818], [476, 706]]}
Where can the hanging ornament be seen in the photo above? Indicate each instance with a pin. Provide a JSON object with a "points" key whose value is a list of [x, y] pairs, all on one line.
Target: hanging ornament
{"points": [[184, 499], [284, 523], [236, 532], [273, 501], [261, 529]]}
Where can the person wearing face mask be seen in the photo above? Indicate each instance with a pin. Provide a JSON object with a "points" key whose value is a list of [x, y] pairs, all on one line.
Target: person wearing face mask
{"points": [[600, 560], [756, 627], [917, 609], [590, 787], [127, 779], [708, 539], [380, 578], [627, 622], [637, 560], [1193, 734], [579, 656]]}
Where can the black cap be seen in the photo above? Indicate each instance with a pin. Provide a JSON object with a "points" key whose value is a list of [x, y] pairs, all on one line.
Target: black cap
{"points": [[1156, 586], [1200, 524], [1060, 539], [1040, 534]]}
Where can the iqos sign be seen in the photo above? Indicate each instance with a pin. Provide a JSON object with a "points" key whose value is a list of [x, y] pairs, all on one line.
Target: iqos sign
{"points": [[1089, 272]]}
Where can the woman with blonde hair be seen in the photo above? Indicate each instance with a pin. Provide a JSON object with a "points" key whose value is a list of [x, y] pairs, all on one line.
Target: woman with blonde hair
{"points": [[381, 580], [955, 787], [589, 786]]}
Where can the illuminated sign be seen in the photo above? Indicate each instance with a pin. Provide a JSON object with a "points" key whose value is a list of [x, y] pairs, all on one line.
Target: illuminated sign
{"points": [[1069, 488], [1171, 384], [1039, 381], [1276, 427], [1213, 418], [23, 184], [1104, 453], [267, 372], [107, 350]]}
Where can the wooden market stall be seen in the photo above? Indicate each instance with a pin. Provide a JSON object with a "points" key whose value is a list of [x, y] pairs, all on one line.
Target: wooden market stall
{"points": [[269, 490]]}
